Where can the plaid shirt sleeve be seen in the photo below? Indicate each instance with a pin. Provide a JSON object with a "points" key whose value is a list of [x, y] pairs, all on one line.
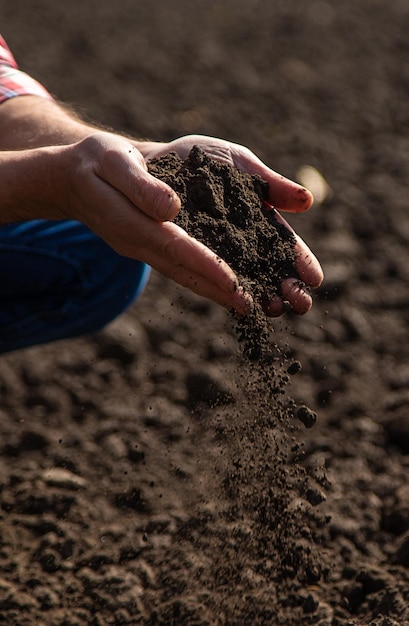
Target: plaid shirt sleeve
{"points": [[14, 82]]}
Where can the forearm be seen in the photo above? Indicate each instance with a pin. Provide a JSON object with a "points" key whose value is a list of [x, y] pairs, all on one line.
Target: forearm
{"points": [[31, 122], [33, 168], [31, 129], [31, 183]]}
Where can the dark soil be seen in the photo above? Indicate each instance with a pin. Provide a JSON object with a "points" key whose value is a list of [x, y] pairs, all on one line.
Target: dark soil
{"points": [[150, 474], [224, 209]]}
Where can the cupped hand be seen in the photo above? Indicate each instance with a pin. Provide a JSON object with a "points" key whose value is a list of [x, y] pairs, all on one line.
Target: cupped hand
{"points": [[284, 194], [108, 188]]}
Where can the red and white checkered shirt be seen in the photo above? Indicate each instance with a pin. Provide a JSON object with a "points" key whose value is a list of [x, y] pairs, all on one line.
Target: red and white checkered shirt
{"points": [[14, 82]]}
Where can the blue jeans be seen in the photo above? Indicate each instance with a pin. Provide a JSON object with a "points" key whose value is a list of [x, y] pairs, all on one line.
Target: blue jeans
{"points": [[59, 280]]}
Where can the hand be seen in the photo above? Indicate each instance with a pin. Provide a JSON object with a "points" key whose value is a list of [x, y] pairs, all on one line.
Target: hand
{"points": [[284, 194], [107, 187], [72, 171]]}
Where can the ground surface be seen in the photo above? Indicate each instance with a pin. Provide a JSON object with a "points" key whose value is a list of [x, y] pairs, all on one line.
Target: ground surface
{"points": [[125, 497]]}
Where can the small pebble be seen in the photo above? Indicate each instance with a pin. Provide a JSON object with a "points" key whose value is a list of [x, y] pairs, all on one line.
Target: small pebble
{"points": [[315, 496], [306, 416], [294, 368]]}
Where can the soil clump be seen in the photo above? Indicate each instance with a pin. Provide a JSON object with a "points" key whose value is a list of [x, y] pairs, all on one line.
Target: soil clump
{"points": [[225, 209]]}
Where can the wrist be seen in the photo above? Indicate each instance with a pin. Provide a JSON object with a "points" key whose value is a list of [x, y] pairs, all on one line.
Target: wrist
{"points": [[32, 122], [32, 184]]}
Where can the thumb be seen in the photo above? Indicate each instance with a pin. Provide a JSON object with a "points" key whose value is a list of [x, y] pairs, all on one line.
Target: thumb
{"points": [[123, 167], [154, 197]]}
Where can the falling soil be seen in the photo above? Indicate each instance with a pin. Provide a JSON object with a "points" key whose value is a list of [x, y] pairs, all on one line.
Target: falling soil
{"points": [[225, 209]]}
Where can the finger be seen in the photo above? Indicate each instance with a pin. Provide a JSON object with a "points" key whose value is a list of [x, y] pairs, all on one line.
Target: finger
{"points": [[287, 195], [283, 193], [306, 263], [238, 300], [181, 249], [197, 267], [154, 197], [124, 168], [273, 307], [168, 248], [294, 292]]}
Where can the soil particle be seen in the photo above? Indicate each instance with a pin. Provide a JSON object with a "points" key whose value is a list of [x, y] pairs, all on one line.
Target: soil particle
{"points": [[306, 416]]}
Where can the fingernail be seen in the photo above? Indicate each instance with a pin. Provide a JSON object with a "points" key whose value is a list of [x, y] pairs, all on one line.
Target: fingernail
{"points": [[268, 206]]}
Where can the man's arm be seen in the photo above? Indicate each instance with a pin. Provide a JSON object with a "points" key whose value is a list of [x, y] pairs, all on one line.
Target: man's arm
{"points": [[54, 166], [30, 122], [101, 179]]}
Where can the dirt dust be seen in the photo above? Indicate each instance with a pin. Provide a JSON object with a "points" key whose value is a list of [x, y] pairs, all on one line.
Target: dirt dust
{"points": [[151, 474]]}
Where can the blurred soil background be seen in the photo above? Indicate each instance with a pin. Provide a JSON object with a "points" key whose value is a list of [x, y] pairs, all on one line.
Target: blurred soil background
{"points": [[115, 508]]}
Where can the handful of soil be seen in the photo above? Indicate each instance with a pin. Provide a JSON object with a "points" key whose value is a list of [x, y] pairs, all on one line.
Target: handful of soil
{"points": [[224, 209]]}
